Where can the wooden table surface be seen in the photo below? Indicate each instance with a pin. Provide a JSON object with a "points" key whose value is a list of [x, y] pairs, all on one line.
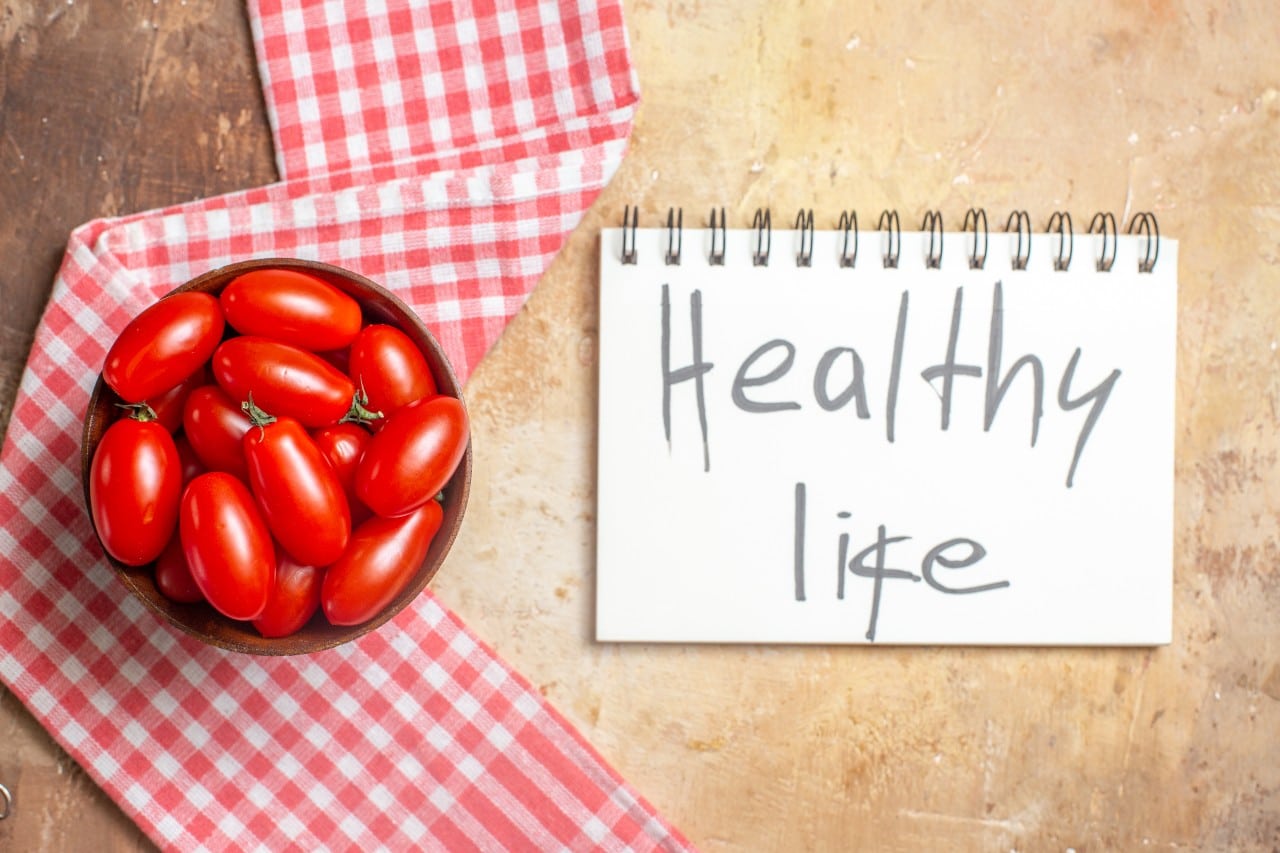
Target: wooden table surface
{"points": [[1168, 105]]}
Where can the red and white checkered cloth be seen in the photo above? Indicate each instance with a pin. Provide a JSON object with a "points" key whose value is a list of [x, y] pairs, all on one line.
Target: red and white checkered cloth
{"points": [[444, 150]]}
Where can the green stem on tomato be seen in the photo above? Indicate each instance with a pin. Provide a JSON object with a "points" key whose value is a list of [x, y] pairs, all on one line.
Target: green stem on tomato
{"points": [[139, 411], [257, 417], [358, 413]]}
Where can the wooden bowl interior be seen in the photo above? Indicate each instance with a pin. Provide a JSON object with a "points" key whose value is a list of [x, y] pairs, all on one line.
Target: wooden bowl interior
{"points": [[201, 620]]}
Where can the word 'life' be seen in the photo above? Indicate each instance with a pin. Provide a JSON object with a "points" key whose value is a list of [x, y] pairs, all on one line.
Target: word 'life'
{"points": [[871, 562]]}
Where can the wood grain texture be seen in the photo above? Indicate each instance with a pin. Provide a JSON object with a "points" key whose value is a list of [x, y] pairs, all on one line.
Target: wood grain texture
{"points": [[105, 108], [1148, 104]]}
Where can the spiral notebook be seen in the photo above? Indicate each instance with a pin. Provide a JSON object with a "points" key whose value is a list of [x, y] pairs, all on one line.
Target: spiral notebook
{"points": [[834, 435]]}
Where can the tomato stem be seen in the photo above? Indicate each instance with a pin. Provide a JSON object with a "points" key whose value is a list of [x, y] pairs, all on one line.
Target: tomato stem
{"points": [[358, 413], [257, 416], [139, 411]]}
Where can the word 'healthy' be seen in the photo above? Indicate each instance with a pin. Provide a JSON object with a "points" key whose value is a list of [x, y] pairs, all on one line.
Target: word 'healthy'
{"points": [[751, 380]]}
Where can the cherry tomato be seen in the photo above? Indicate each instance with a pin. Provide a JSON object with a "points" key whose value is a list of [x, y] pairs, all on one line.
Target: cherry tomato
{"points": [[227, 545], [163, 345], [343, 445], [293, 307], [383, 557], [283, 380], [410, 460], [169, 406], [192, 467], [294, 599], [390, 369], [173, 577], [298, 491], [135, 483], [215, 426]]}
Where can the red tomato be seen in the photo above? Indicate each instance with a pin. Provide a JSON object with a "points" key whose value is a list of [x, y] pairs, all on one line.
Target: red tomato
{"points": [[227, 545], [283, 379], [215, 426], [343, 445], [192, 467], [294, 599], [135, 483], [292, 307], [173, 577], [298, 491], [387, 365], [383, 557], [163, 346], [169, 406], [410, 460]]}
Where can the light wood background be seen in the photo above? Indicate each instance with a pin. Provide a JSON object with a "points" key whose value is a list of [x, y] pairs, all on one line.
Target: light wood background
{"points": [[1167, 105]]}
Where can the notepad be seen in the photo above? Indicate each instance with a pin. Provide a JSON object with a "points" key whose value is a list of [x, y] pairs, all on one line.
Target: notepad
{"points": [[945, 438]]}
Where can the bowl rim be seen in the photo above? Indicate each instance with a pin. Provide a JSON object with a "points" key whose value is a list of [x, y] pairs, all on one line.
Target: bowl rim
{"points": [[136, 579]]}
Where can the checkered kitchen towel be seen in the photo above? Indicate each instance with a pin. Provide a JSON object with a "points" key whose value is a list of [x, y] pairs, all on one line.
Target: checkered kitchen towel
{"points": [[444, 150]]}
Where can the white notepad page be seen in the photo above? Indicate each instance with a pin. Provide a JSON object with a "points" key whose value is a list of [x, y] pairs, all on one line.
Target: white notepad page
{"points": [[826, 454]]}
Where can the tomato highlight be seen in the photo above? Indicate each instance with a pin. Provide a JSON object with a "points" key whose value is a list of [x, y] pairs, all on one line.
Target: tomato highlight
{"points": [[284, 380], [295, 486], [227, 545], [292, 307], [163, 345], [390, 368], [294, 599], [381, 560], [135, 482], [215, 426], [411, 459]]}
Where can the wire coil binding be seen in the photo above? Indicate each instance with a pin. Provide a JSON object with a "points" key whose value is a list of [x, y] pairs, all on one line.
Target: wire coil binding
{"points": [[1060, 224], [1145, 224], [762, 224], [892, 241], [675, 236], [974, 218], [715, 257], [804, 224], [1019, 222], [1104, 224], [849, 225], [1102, 227], [933, 225], [630, 221]]}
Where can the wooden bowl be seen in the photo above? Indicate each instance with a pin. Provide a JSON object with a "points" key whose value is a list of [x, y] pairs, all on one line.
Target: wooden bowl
{"points": [[201, 620]]}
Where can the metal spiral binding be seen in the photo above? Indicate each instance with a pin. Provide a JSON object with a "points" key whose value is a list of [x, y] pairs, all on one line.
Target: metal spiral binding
{"points": [[893, 238], [1104, 224], [1020, 223], [716, 256], [1060, 223], [763, 225], [675, 236], [630, 220], [1145, 224], [804, 224], [933, 224], [978, 217], [849, 225]]}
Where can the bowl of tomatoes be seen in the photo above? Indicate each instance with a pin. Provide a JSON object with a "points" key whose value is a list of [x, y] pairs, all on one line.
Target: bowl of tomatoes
{"points": [[276, 456]]}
